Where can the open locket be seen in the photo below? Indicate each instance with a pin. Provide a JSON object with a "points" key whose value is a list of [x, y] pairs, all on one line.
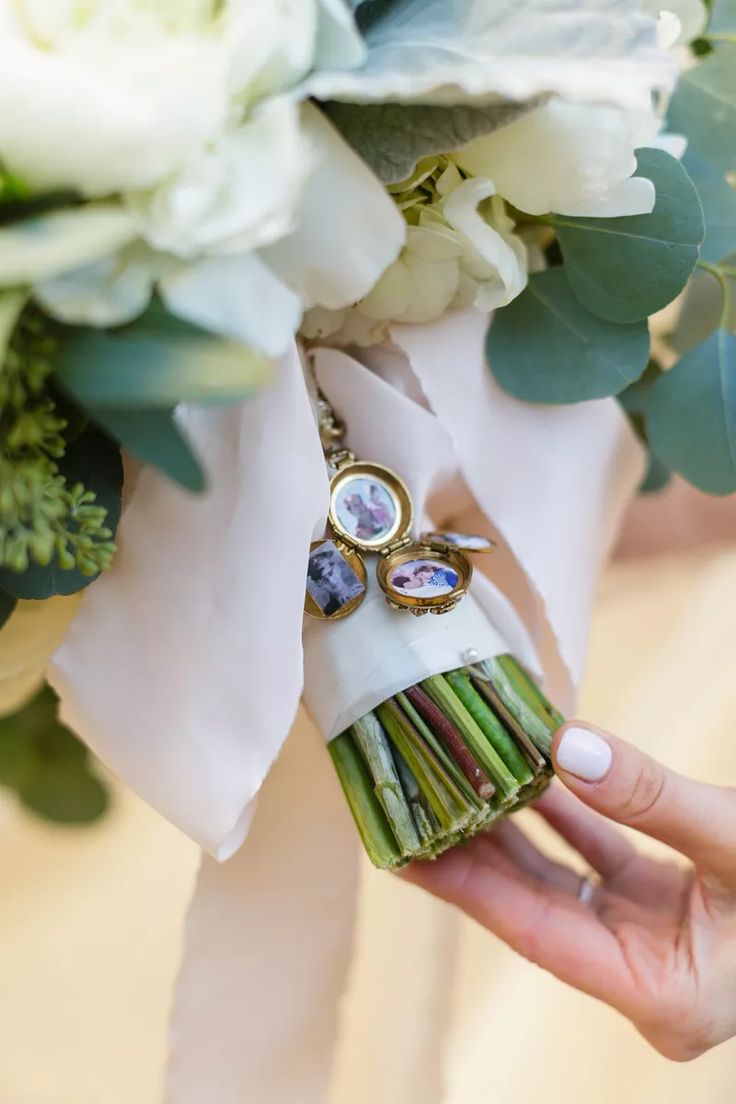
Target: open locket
{"points": [[371, 511]]}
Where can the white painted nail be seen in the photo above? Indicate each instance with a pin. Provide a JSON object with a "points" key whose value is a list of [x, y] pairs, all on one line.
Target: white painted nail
{"points": [[584, 754]]}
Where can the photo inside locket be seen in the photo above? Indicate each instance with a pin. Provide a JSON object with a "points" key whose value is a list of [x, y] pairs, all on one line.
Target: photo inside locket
{"points": [[423, 578], [366, 509], [331, 581]]}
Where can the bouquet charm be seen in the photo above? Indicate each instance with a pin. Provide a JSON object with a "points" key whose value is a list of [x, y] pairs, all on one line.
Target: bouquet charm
{"points": [[432, 737], [371, 511]]}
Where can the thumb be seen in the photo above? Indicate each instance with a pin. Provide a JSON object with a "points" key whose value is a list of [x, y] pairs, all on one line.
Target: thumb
{"points": [[630, 787]]}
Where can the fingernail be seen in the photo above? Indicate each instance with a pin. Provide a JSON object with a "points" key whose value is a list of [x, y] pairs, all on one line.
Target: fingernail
{"points": [[584, 754]]}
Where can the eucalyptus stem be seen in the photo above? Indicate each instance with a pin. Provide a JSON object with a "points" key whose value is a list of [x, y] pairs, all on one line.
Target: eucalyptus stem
{"points": [[533, 692], [377, 837], [427, 824], [372, 742], [446, 800], [530, 749], [491, 726], [441, 760], [515, 695], [436, 745], [446, 731], [443, 695]]}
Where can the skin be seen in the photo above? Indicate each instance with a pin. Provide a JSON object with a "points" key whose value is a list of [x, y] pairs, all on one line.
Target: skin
{"points": [[658, 940]]}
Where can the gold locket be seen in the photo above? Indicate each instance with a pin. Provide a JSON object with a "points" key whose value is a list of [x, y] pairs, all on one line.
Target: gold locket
{"points": [[371, 511]]}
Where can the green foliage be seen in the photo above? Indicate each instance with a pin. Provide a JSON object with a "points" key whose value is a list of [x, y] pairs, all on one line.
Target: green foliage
{"points": [[68, 525], [704, 106], [392, 137], [657, 476], [722, 20], [690, 412], [17, 200], [131, 378], [704, 307], [624, 269], [691, 415], [7, 605], [54, 532], [46, 766], [546, 347], [718, 198], [155, 438], [156, 361], [633, 400]]}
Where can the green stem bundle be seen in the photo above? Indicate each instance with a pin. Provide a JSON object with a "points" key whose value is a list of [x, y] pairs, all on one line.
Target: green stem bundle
{"points": [[433, 765]]}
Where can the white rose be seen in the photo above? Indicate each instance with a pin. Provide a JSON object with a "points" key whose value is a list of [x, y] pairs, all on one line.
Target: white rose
{"points": [[186, 117], [106, 96]]}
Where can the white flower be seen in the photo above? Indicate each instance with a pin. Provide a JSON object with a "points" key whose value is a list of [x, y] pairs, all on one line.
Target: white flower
{"points": [[113, 95], [187, 114], [691, 17], [242, 199], [460, 251], [573, 159]]}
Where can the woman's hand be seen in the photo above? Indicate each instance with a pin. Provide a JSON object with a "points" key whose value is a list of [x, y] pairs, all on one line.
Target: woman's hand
{"points": [[656, 940]]}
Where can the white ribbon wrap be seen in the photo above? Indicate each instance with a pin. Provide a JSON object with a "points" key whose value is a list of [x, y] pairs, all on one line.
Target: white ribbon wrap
{"points": [[183, 671], [355, 664]]}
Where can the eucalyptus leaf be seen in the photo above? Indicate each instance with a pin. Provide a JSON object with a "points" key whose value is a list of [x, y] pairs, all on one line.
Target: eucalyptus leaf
{"points": [[545, 347], [17, 758], [624, 269], [392, 137], [7, 605], [154, 438], [64, 794], [701, 312], [156, 361], [45, 245], [93, 460], [718, 198], [691, 415], [47, 765], [634, 398], [704, 107], [36, 723], [657, 476], [723, 18]]}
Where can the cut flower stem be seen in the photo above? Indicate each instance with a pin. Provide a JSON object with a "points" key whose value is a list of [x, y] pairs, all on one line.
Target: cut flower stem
{"points": [[438, 762]]}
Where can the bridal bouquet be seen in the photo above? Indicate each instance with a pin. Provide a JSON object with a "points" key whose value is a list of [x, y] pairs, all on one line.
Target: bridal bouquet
{"points": [[197, 198]]}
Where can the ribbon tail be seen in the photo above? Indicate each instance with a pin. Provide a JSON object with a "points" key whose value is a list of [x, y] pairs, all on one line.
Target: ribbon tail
{"points": [[268, 944]]}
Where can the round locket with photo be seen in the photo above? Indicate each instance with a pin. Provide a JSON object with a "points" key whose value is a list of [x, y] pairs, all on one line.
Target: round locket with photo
{"points": [[336, 580], [424, 578], [370, 507]]}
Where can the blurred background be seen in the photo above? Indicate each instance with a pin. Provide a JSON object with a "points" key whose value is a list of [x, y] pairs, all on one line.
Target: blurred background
{"points": [[91, 917]]}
